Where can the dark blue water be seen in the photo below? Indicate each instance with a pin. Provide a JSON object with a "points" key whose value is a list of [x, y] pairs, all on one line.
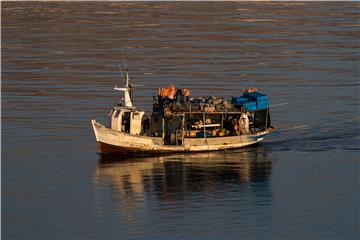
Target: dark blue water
{"points": [[59, 64]]}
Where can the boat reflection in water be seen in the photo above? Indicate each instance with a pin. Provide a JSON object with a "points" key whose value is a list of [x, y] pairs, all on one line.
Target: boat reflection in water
{"points": [[139, 182]]}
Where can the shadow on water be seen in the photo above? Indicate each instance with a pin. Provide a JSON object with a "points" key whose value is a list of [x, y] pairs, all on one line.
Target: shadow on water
{"points": [[178, 176]]}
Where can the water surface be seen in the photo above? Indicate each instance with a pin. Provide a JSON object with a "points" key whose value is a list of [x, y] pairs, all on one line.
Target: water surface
{"points": [[59, 64]]}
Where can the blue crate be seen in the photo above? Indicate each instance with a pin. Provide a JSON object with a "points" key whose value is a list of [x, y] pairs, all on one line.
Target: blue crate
{"points": [[239, 100], [250, 106], [262, 100], [255, 96], [258, 97], [262, 105]]}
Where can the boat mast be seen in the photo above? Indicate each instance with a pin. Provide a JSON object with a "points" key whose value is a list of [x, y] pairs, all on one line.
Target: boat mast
{"points": [[127, 91]]}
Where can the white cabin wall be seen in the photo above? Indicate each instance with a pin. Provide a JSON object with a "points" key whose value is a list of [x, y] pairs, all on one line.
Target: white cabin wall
{"points": [[113, 120], [135, 122], [116, 121]]}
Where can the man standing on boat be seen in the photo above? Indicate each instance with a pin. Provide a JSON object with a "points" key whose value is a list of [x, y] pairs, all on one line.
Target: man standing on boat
{"points": [[244, 123], [146, 125]]}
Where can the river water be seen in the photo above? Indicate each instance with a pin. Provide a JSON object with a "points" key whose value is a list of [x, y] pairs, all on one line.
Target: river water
{"points": [[59, 64]]}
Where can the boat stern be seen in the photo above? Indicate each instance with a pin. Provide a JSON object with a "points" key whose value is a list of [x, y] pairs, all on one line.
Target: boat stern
{"points": [[259, 137]]}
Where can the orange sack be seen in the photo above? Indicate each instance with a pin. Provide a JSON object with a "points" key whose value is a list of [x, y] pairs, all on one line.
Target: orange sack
{"points": [[163, 92], [171, 91]]}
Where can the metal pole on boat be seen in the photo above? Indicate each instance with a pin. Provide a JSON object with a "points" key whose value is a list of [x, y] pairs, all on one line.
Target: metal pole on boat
{"points": [[163, 128], [266, 117], [183, 129], [204, 118], [222, 121], [127, 90]]}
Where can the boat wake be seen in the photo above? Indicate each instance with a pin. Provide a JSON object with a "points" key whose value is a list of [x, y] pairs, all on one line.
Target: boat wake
{"points": [[336, 136]]}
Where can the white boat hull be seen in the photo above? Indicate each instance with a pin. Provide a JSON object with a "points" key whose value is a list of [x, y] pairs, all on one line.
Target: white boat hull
{"points": [[115, 142]]}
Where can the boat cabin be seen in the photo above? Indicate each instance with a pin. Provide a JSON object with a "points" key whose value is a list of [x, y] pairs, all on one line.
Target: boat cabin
{"points": [[126, 120], [126, 117]]}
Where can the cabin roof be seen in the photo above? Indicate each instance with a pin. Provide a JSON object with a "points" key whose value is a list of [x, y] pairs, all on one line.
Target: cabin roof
{"points": [[127, 109]]}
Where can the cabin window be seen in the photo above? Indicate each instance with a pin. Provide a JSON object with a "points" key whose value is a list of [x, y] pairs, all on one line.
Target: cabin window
{"points": [[136, 116], [117, 114]]}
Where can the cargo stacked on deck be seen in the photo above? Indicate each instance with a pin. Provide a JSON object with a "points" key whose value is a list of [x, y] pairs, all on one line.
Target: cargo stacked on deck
{"points": [[262, 100], [239, 100], [244, 102], [251, 101]]}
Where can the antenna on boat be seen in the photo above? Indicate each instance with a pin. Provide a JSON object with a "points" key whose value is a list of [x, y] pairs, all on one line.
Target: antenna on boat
{"points": [[122, 75], [127, 89]]}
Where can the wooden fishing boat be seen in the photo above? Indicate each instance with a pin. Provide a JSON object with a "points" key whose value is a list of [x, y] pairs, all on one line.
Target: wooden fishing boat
{"points": [[180, 123]]}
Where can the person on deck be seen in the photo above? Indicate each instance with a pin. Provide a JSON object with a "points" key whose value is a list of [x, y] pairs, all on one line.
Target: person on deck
{"points": [[146, 125], [244, 123], [235, 126]]}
